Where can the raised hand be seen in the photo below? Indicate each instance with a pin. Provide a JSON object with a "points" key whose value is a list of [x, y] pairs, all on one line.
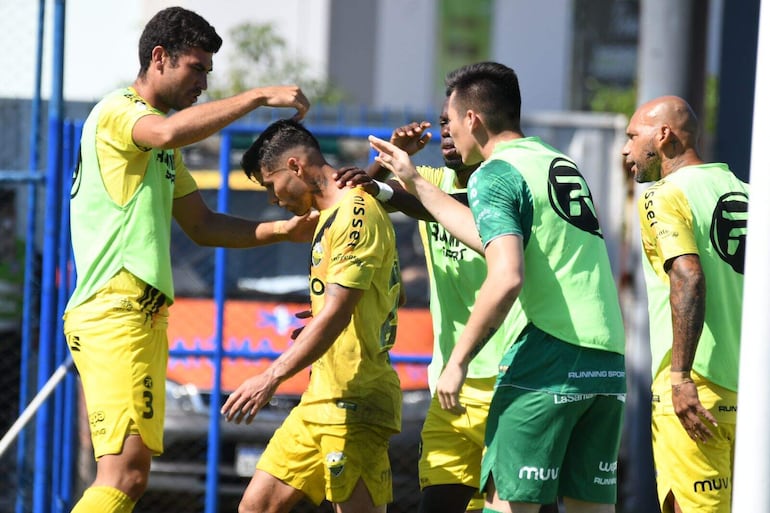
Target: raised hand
{"points": [[286, 96], [412, 137], [395, 160]]}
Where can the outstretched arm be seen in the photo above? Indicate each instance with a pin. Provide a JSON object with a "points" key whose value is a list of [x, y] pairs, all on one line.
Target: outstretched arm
{"points": [[399, 200], [208, 228], [317, 337], [198, 122], [688, 311], [453, 215]]}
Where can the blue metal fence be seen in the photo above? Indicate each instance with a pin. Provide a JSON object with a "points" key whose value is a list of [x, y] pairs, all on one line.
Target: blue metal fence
{"points": [[55, 447]]}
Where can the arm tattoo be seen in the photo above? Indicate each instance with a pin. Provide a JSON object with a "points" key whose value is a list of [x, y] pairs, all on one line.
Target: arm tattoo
{"points": [[688, 310]]}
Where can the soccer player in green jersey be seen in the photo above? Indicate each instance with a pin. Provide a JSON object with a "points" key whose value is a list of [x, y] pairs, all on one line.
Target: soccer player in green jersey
{"points": [[693, 222], [130, 181], [334, 444], [452, 445], [556, 414]]}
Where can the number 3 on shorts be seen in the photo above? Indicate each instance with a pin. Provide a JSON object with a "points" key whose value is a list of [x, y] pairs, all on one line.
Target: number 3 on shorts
{"points": [[149, 412]]}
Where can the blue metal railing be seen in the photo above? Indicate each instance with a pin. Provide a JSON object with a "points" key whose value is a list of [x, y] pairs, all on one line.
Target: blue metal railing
{"points": [[53, 480]]}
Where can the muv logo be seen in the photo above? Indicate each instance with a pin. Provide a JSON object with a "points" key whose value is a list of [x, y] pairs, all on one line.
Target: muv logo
{"points": [[538, 474]]}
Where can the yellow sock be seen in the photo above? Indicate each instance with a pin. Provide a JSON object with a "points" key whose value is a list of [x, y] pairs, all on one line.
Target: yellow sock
{"points": [[104, 499]]}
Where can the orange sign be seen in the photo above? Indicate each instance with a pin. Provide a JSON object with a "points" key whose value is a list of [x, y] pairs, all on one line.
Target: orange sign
{"points": [[260, 328]]}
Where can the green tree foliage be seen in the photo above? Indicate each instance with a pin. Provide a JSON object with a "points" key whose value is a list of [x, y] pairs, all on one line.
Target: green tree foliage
{"points": [[606, 98], [261, 58]]}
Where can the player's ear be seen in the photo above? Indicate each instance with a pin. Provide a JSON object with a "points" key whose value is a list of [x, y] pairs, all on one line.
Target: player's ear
{"points": [[473, 120], [159, 57], [665, 136], [295, 166]]}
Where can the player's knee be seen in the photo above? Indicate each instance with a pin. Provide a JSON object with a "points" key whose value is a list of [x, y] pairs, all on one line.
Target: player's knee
{"points": [[253, 505], [134, 483]]}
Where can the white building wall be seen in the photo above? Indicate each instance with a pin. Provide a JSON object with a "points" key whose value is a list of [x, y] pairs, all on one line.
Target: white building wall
{"points": [[405, 54], [535, 39], [303, 24], [102, 37]]}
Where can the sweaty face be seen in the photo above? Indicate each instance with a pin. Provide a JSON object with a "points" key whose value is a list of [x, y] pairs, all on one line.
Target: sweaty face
{"points": [[640, 154], [186, 78], [287, 190]]}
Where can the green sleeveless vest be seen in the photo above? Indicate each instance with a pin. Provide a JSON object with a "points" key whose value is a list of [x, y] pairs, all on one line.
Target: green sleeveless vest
{"points": [[107, 237], [718, 203], [569, 290]]}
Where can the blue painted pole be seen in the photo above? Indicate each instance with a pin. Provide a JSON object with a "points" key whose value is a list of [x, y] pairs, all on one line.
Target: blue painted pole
{"points": [[220, 295], [62, 444], [44, 426], [70, 418], [30, 256]]}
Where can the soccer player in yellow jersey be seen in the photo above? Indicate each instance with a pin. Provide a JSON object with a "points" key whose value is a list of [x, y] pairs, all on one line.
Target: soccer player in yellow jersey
{"points": [[131, 180], [334, 444], [693, 222]]}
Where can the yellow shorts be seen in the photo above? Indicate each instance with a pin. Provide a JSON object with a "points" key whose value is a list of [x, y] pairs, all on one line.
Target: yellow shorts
{"points": [[121, 353], [452, 445], [700, 475], [326, 461]]}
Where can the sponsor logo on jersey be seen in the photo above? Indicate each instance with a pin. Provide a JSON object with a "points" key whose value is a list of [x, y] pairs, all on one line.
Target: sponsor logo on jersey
{"points": [[711, 485], [728, 229], [570, 196]]}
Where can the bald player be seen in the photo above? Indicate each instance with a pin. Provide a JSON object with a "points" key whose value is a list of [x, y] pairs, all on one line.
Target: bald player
{"points": [[693, 227]]}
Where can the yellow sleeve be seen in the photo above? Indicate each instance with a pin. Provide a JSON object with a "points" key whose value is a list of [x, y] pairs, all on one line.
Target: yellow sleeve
{"points": [[666, 224], [357, 240], [122, 162]]}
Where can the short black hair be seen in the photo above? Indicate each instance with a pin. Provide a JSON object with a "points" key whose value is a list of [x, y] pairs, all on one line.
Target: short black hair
{"points": [[273, 142], [489, 88], [177, 30]]}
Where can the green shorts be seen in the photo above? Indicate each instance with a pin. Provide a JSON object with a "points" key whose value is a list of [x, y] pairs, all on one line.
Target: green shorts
{"points": [[555, 422], [542, 445]]}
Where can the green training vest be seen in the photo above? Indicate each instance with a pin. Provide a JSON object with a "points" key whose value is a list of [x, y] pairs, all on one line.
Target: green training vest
{"points": [[107, 237]]}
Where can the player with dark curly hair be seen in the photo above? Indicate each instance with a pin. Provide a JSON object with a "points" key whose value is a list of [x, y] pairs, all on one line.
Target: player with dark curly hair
{"points": [[130, 181]]}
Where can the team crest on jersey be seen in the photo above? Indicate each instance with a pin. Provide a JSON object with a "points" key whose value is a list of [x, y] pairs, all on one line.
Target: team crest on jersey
{"points": [[570, 196], [728, 229], [316, 254]]}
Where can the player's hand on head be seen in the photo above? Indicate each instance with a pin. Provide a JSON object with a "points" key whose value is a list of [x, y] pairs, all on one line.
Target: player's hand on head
{"points": [[396, 161], [412, 137], [301, 228], [691, 412], [448, 388], [290, 96], [354, 176]]}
